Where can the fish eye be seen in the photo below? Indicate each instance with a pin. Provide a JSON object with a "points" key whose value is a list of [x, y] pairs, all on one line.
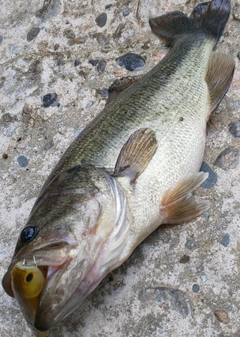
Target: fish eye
{"points": [[29, 277], [28, 233]]}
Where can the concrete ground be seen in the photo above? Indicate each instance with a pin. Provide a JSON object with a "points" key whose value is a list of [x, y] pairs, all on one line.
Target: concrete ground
{"points": [[181, 281]]}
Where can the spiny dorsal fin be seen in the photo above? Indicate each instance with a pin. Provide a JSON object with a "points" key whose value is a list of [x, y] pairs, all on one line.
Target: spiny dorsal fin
{"points": [[136, 154], [180, 204], [219, 77], [120, 85]]}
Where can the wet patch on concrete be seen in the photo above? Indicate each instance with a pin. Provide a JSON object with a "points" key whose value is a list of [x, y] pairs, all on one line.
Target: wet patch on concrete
{"points": [[177, 300]]}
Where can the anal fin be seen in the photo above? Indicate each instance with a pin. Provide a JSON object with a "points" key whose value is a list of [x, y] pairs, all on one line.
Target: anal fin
{"points": [[219, 77], [136, 154], [180, 204]]}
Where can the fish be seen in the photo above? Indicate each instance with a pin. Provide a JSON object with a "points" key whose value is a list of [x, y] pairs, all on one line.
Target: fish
{"points": [[133, 168]]}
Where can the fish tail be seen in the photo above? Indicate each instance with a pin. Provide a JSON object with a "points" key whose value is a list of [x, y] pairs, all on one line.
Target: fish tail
{"points": [[207, 18]]}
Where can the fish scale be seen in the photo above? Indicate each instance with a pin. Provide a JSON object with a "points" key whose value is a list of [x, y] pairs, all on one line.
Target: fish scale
{"points": [[139, 107]]}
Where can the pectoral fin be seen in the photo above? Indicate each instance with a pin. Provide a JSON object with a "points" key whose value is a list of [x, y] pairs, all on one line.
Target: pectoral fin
{"points": [[219, 77], [136, 154], [180, 204]]}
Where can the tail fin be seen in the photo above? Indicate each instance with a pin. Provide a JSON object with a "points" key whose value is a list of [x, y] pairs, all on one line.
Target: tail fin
{"points": [[209, 18]]}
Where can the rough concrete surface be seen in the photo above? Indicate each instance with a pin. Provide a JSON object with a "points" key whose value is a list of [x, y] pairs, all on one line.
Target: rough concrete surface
{"points": [[182, 280]]}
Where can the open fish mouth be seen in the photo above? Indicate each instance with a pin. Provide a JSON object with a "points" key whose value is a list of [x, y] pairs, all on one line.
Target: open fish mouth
{"points": [[30, 279], [48, 259], [30, 275]]}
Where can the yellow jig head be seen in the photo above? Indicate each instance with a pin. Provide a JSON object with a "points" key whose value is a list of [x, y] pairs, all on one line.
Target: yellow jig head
{"points": [[27, 281], [27, 284]]}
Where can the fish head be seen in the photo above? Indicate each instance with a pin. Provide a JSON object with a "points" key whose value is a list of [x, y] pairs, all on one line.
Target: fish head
{"points": [[65, 245]]}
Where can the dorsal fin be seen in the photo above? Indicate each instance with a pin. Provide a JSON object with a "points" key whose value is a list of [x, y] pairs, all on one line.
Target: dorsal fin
{"points": [[120, 85]]}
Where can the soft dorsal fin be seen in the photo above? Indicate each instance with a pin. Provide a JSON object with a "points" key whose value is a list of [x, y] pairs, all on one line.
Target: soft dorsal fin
{"points": [[136, 154], [219, 77]]}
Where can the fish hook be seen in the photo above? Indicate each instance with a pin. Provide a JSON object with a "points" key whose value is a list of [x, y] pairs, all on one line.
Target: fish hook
{"points": [[34, 261]]}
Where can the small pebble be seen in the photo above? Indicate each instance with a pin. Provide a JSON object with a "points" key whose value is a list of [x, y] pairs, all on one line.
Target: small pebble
{"points": [[203, 278], [234, 128], [32, 33], [212, 177], [22, 161], [15, 49], [5, 155], [56, 46], [50, 100], [49, 144], [101, 66], [195, 288], [59, 63], [103, 92], [101, 20], [238, 55], [228, 158], [236, 12], [89, 105], [131, 61], [76, 63], [184, 259], [222, 316], [218, 110], [207, 215], [125, 13], [190, 245], [108, 6], [43, 130], [93, 62], [225, 240], [69, 33], [1, 38], [101, 39]]}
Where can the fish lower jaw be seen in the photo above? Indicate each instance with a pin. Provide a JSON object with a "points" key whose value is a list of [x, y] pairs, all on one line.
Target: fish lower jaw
{"points": [[106, 262]]}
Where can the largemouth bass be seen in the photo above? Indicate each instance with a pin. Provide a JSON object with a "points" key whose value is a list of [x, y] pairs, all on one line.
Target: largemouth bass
{"points": [[133, 168]]}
